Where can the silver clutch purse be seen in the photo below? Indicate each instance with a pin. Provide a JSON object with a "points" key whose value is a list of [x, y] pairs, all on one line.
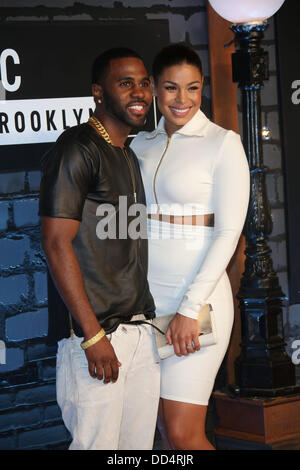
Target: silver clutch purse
{"points": [[207, 328]]}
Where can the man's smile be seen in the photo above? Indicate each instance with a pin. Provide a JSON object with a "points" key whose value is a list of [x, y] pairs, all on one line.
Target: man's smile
{"points": [[137, 108]]}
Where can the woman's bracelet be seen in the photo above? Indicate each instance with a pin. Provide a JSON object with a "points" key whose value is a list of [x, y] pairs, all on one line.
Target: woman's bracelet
{"points": [[93, 340]]}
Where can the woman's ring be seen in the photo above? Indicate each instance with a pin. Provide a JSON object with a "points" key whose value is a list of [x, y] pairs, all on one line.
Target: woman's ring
{"points": [[188, 346]]}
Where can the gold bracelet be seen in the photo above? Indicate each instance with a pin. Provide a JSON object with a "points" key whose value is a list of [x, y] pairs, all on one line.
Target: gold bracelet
{"points": [[93, 340]]}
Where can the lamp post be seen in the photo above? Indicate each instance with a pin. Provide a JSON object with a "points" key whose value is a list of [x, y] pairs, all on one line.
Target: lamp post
{"points": [[263, 367]]}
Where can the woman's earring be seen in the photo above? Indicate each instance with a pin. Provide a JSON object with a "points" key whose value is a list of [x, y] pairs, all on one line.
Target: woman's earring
{"points": [[99, 101]]}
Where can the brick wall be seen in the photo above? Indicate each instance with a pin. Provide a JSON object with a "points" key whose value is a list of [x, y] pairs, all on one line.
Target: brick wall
{"points": [[29, 415]]}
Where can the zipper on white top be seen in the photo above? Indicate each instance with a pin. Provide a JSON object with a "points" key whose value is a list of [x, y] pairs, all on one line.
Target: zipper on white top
{"points": [[156, 171]]}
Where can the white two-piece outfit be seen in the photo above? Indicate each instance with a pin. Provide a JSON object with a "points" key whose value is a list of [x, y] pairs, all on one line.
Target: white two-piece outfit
{"points": [[202, 169]]}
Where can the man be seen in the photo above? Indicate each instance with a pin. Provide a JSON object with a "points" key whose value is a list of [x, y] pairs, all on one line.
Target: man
{"points": [[108, 392]]}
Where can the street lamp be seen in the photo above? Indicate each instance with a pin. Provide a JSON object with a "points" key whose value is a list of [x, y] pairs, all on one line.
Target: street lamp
{"points": [[245, 11], [263, 367]]}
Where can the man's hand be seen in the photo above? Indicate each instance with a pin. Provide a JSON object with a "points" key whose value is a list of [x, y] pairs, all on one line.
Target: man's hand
{"points": [[183, 333], [103, 362]]}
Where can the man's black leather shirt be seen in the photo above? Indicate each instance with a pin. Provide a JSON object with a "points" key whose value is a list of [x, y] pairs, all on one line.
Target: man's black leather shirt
{"points": [[81, 172]]}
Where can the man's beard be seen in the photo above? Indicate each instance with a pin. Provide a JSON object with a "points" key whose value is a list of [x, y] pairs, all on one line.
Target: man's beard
{"points": [[113, 108]]}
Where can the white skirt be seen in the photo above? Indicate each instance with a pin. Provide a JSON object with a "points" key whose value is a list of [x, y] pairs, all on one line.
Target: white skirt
{"points": [[175, 256]]}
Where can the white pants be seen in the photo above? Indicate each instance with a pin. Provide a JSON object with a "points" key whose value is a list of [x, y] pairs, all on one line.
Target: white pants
{"points": [[120, 415]]}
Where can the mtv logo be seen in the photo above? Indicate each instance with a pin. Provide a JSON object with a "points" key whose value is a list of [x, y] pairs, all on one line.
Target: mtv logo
{"points": [[2, 352]]}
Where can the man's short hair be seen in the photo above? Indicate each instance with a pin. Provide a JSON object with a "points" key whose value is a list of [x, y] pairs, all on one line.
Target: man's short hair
{"points": [[101, 63]]}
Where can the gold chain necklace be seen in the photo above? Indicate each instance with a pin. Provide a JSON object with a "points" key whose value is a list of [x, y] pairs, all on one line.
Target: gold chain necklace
{"points": [[96, 124]]}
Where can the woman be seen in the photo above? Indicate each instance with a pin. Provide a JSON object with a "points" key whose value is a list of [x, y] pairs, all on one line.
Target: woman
{"points": [[196, 180]]}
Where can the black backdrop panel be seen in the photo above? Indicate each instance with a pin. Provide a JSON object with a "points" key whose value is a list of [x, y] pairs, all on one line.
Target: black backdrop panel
{"points": [[55, 63], [288, 47]]}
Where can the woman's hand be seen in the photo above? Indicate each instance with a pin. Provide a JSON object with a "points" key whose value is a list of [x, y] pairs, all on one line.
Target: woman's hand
{"points": [[183, 333]]}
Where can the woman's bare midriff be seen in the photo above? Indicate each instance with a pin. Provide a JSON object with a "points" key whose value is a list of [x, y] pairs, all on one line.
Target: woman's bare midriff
{"points": [[206, 220]]}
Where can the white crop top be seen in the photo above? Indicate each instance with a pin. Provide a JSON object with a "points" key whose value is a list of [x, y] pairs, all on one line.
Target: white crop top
{"points": [[201, 169]]}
